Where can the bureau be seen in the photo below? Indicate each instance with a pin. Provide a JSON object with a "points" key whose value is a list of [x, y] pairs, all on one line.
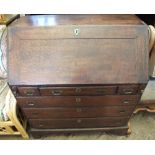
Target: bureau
{"points": [[74, 73]]}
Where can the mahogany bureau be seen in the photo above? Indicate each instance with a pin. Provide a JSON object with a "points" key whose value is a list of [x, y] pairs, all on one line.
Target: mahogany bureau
{"points": [[73, 73]]}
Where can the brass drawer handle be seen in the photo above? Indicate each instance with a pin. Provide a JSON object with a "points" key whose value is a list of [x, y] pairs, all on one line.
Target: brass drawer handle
{"points": [[122, 111], [126, 102], [56, 92], [31, 104], [78, 109], [41, 125], [127, 92], [29, 93], [142, 91], [78, 99]]}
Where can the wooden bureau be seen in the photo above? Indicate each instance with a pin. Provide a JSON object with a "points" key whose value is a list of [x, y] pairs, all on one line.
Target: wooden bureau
{"points": [[77, 72]]}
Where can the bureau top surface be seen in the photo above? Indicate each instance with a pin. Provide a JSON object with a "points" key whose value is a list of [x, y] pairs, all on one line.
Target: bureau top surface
{"points": [[54, 20]]}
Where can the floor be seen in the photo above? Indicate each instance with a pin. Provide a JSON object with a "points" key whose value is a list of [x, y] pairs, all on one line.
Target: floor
{"points": [[142, 124]]}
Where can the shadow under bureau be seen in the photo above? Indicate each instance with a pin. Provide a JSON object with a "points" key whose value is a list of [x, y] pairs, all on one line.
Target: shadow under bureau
{"points": [[73, 73]]}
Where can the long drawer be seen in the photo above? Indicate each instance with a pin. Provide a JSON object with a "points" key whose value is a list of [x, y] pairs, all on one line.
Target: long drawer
{"points": [[78, 123], [76, 101], [98, 90], [48, 113], [57, 91]]}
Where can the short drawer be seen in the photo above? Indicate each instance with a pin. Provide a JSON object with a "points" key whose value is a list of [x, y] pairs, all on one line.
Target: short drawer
{"points": [[141, 88], [76, 101], [78, 123], [28, 91], [128, 89], [96, 90], [50, 113]]}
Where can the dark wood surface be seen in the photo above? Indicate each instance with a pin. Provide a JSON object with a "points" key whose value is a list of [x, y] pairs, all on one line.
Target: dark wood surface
{"points": [[77, 101], [73, 72], [78, 123], [28, 91], [128, 90], [79, 112], [79, 90], [95, 90], [100, 53]]}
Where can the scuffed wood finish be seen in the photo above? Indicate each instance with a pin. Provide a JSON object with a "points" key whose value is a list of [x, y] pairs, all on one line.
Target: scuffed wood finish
{"points": [[47, 113], [95, 90], [78, 123], [78, 72], [77, 101], [99, 54]]}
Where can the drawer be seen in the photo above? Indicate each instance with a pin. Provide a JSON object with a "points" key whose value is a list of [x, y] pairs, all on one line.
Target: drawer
{"points": [[96, 90], [141, 88], [128, 89], [78, 123], [48, 113], [76, 101], [28, 91]]}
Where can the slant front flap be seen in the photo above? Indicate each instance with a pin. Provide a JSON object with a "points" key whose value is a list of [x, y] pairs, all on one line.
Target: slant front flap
{"points": [[78, 54]]}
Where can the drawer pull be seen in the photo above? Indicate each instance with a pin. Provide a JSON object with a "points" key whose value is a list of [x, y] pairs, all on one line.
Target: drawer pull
{"points": [[29, 93], [56, 92], [78, 99], [128, 92], [79, 121], [126, 102], [31, 104], [78, 109], [142, 91], [41, 125]]}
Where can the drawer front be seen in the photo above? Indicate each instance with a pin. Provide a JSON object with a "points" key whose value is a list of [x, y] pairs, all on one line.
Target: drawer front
{"points": [[141, 88], [28, 91], [128, 89], [56, 91], [76, 101], [78, 123], [48, 113]]}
